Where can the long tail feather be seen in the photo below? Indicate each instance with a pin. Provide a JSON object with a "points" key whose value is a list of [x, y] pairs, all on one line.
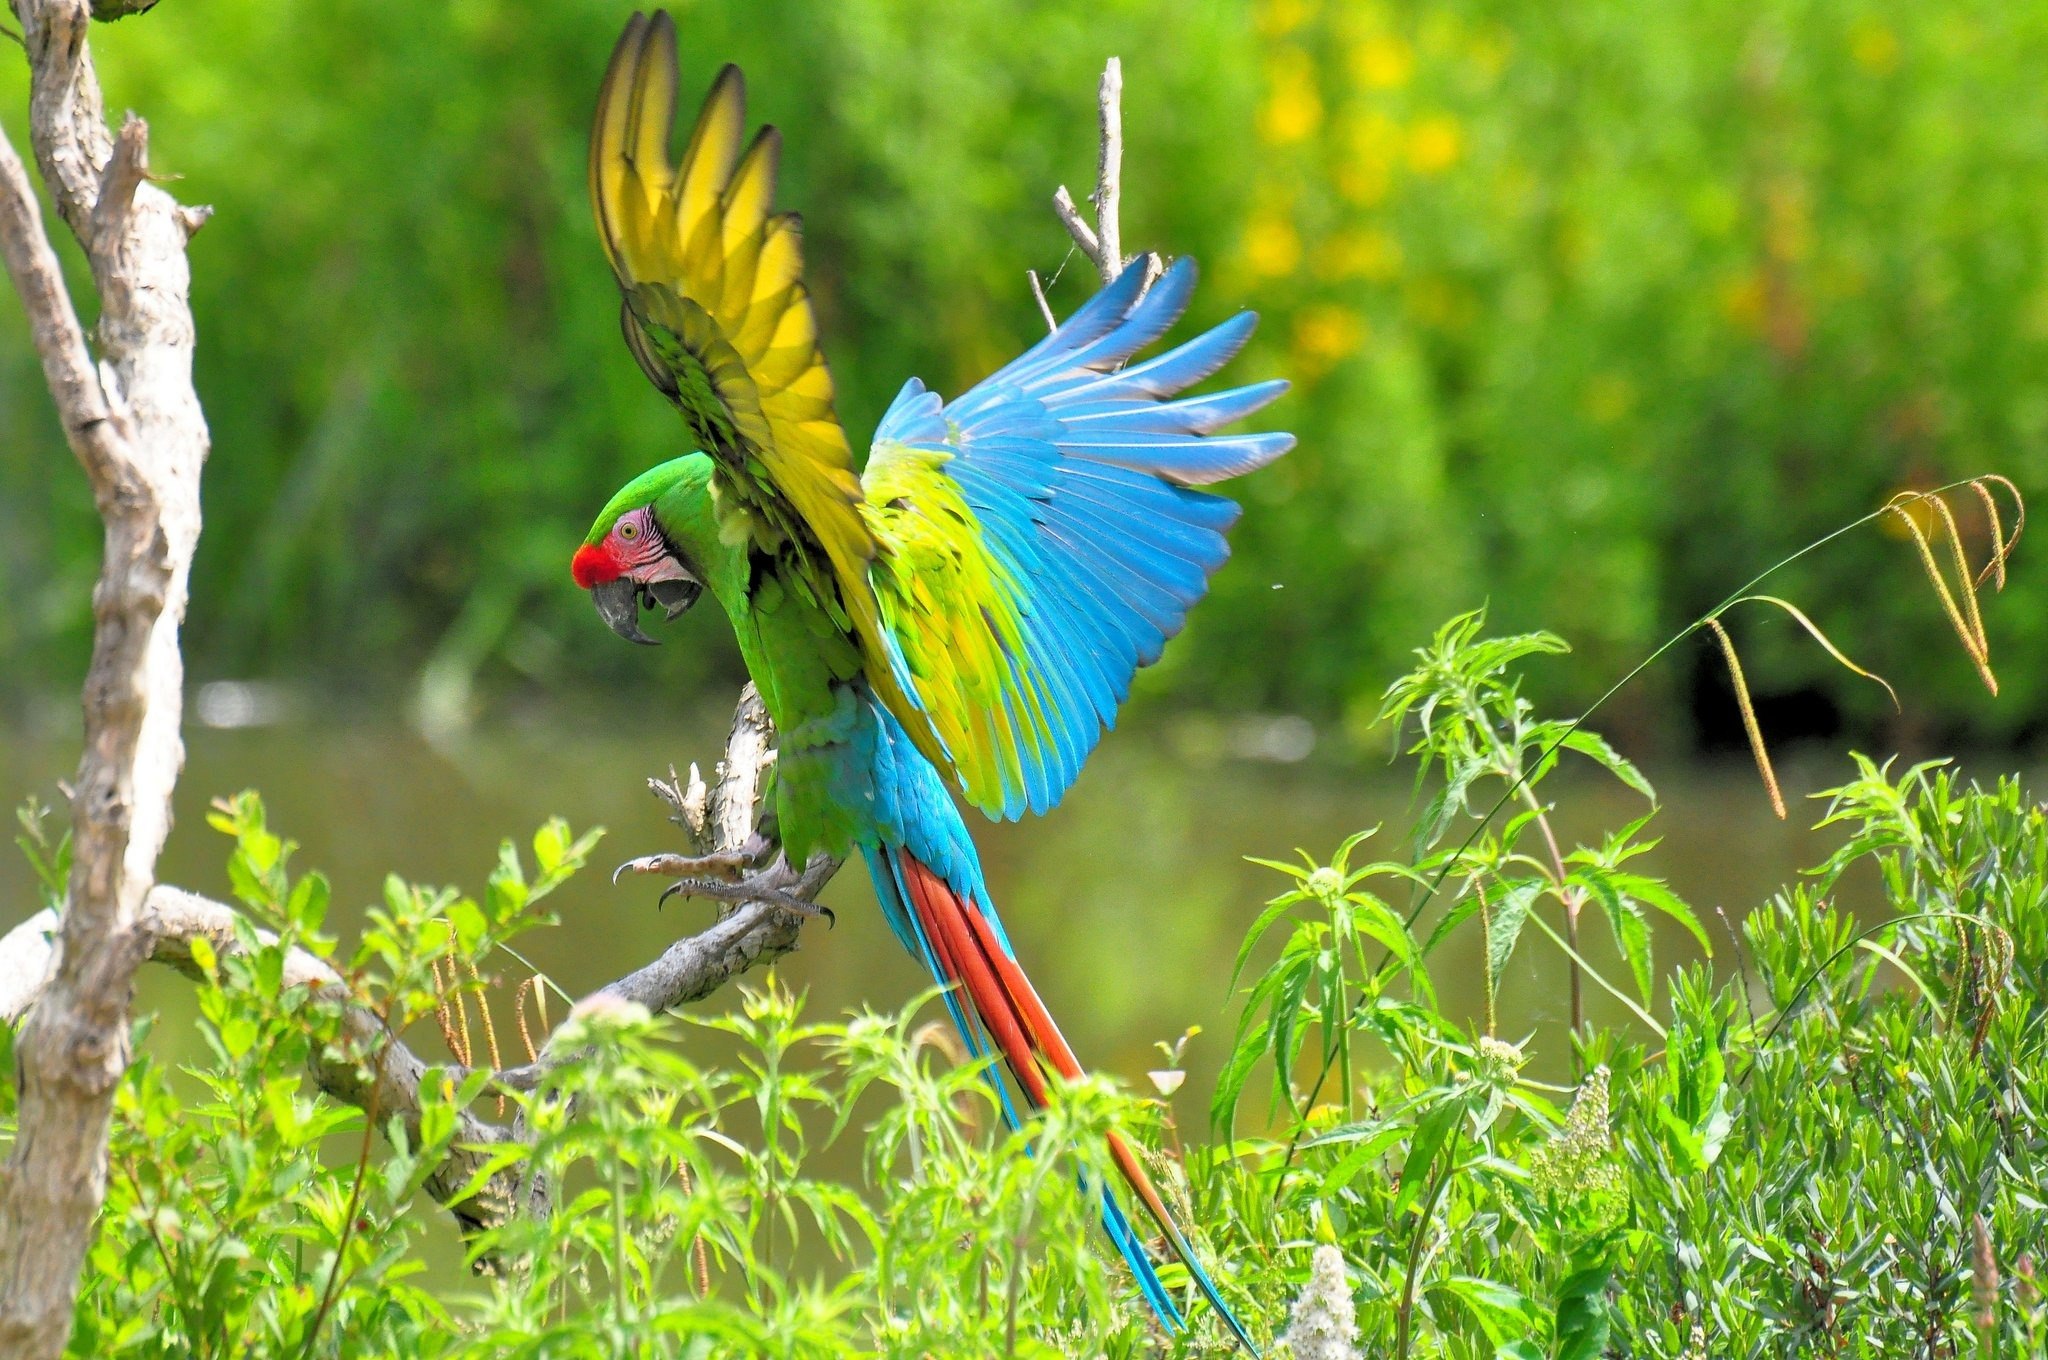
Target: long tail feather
{"points": [[964, 946]]}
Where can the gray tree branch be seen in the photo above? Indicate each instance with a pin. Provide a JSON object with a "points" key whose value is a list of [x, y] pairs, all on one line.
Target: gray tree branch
{"points": [[135, 424], [721, 818], [1102, 242]]}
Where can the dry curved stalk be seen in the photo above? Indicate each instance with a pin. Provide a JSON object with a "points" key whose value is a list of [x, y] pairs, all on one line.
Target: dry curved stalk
{"points": [[1969, 627], [1749, 722], [1814, 630]]}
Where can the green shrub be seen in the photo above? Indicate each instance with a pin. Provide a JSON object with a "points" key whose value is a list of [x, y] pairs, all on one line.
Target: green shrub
{"points": [[1830, 1143]]}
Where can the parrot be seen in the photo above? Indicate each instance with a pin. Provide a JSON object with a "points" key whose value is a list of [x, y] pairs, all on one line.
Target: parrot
{"points": [[961, 618]]}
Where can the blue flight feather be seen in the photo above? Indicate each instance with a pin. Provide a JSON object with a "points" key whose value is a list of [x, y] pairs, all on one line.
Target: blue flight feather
{"points": [[1081, 472]]}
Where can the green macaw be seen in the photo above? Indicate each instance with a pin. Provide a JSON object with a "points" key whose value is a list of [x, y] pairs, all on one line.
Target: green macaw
{"points": [[963, 616]]}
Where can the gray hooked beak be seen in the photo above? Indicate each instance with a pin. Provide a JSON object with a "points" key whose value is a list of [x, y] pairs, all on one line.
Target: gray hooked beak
{"points": [[618, 604]]}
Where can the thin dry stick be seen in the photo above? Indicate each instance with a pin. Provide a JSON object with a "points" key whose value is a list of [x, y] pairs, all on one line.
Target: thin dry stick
{"points": [[1749, 722], [1052, 323], [1077, 225], [1103, 242], [1109, 162]]}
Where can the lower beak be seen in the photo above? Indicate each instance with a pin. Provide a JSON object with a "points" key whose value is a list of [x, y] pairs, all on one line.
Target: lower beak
{"points": [[618, 604]]}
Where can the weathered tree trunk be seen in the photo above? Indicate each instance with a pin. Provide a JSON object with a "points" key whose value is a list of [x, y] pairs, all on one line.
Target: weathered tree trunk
{"points": [[135, 424]]}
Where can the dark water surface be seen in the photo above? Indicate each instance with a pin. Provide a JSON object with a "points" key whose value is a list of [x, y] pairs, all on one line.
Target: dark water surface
{"points": [[1127, 903]]}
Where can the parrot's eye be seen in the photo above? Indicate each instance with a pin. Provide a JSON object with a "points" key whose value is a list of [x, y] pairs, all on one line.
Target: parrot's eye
{"points": [[629, 531]]}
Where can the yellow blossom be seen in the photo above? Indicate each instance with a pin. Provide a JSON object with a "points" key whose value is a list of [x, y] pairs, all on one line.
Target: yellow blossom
{"points": [[1434, 144], [1383, 62], [1609, 397], [1277, 18], [1294, 108], [1367, 253], [1271, 245], [1874, 46], [1745, 302], [1324, 334]]}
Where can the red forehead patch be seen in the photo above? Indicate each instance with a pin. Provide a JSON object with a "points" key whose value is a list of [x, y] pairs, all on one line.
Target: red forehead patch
{"points": [[593, 565]]}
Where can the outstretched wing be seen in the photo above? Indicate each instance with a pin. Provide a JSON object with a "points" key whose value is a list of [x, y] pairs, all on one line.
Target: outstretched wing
{"points": [[716, 312], [1041, 538]]}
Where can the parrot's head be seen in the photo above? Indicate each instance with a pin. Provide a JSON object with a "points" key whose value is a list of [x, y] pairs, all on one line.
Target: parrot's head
{"points": [[651, 545]]}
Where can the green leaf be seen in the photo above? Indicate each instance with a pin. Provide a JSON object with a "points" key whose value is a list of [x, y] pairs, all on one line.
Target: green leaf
{"points": [[1655, 893], [550, 845], [1631, 931], [470, 926], [1506, 914], [1463, 910], [1594, 746], [1370, 1144], [1431, 1131], [1379, 924], [1274, 910], [307, 907], [1583, 1321], [1507, 1316]]}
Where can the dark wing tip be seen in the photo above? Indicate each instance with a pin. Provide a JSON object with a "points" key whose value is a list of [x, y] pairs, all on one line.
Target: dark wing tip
{"points": [[729, 83]]}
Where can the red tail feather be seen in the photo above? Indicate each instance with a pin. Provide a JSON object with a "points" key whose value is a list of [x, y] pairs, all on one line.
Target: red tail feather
{"points": [[1002, 998]]}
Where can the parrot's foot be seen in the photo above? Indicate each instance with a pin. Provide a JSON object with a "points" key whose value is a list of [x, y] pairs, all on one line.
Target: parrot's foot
{"points": [[726, 866], [732, 878]]}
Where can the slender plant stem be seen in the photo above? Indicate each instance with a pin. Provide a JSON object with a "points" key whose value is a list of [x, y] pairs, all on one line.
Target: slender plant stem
{"points": [[1579, 960], [1405, 1316], [619, 1328], [355, 1194]]}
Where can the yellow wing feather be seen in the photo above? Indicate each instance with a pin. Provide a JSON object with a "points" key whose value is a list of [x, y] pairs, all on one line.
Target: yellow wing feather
{"points": [[718, 317]]}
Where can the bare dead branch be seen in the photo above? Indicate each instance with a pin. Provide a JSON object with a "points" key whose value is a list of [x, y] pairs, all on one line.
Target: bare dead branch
{"points": [[1102, 242], [135, 425], [1109, 170], [750, 934], [756, 932], [53, 326], [1052, 323], [1076, 225]]}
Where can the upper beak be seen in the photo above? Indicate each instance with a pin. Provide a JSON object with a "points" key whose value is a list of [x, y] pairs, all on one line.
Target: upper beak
{"points": [[618, 604]]}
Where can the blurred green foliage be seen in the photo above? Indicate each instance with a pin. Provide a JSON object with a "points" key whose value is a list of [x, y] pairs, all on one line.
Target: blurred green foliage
{"points": [[1593, 310]]}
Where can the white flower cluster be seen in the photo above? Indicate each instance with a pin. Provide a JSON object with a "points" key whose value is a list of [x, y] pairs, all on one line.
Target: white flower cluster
{"points": [[1325, 1323]]}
